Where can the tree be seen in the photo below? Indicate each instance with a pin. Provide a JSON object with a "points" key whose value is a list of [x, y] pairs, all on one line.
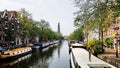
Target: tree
{"points": [[95, 45], [25, 19], [94, 15], [31, 28], [77, 35], [108, 42], [43, 25]]}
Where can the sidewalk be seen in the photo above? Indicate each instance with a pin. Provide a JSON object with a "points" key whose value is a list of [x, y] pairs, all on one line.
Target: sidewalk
{"points": [[111, 52], [110, 56]]}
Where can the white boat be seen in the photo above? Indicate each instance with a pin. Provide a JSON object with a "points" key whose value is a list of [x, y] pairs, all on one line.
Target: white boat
{"points": [[80, 58], [76, 45]]}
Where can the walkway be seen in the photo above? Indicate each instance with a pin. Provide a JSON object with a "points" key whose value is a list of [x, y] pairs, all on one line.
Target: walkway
{"points": [[111, 52], [110, 57]]}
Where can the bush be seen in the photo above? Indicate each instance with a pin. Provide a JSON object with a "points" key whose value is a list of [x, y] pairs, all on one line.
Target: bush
{"points": [[108, 42], [95, 44]]}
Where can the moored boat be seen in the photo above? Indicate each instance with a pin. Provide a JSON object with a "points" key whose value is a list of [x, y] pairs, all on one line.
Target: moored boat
{"points": [[81, 58], [37, 46], [15, 52], [76, 45]]}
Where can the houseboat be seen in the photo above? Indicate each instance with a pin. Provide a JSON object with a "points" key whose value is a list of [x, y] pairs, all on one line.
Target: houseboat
{"points": [[15, 52], [75, 45], [37, 45], [81, 58]]}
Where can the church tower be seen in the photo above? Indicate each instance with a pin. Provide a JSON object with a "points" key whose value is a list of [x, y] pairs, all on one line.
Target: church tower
{"points": [[59, 27]]}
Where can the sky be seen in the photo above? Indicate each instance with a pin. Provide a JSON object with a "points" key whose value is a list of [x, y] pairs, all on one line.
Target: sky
{"points": [[53, 11]]}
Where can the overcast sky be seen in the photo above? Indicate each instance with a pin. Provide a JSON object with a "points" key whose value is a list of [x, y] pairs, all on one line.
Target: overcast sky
{"points": [[53, 11]]}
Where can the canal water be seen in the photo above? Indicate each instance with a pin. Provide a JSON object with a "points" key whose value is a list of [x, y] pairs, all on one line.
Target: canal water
{"points": [[55, 56]]}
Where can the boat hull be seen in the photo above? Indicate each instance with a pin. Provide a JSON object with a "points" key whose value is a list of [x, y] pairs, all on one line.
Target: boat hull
{"points": [[11, 57]]}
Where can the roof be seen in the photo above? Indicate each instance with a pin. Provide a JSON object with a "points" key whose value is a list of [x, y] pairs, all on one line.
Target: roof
{"points": [[10, 13], [76, 44], [82, 58]]}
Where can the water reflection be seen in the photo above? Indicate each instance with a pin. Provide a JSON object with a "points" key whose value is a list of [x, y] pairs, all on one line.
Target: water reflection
{"points": [[39, 59], [13, 62], [56, 56]]}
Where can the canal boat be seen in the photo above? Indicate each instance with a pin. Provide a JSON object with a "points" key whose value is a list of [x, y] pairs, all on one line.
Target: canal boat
{"points": [[81, 58], [37, 46], [15, 52], [71, 42], [76, 45]]}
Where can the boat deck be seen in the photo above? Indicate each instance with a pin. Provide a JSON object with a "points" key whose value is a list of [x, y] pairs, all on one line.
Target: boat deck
{"points": [[17, 49], [81, 56]]}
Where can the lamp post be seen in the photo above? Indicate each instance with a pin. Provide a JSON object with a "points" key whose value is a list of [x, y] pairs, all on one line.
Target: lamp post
{"points": [[117, 39]]}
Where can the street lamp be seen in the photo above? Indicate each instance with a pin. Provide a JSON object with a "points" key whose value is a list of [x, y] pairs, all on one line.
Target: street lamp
{"points": [[117, 39]]}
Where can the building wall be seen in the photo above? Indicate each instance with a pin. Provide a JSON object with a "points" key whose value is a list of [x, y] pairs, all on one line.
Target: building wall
{"points": [[114, 28], [9, 27]]}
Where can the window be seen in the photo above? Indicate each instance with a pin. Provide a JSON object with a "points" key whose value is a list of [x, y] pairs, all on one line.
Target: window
{"points": [[0, 29], [0, 38], [12, 26], [6, 23], [18, 27], [0, 20], [6, 18], [12, 23]]}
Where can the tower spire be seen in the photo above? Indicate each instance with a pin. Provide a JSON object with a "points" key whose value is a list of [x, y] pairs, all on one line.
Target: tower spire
{"points": [[58, 27]]}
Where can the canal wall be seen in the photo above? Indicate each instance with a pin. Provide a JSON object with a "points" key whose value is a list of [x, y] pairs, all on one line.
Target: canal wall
{"points": [[110, 58]]}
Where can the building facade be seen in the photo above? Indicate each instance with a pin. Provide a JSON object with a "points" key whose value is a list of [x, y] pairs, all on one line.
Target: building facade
{"points": [[9, 28], [113, 29]]}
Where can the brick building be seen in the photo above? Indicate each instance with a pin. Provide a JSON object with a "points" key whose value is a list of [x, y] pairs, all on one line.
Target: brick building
{"points": [[9, 28], [114, 28]]}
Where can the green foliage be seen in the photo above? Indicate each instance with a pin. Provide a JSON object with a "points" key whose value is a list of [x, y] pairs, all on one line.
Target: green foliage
{"points": [[90, 43], [77, 35], [95, 44], [51, 35], [108, 42], [31, 28], [95, 15], [25, 19], [9, 34]]}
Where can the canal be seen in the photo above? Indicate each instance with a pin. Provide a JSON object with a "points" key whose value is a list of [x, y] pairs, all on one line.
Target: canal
{"points": [[55, 56]]}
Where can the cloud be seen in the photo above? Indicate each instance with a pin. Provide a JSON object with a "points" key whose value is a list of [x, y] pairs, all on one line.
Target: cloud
{"points": [[13, 5], [53, 11]]}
